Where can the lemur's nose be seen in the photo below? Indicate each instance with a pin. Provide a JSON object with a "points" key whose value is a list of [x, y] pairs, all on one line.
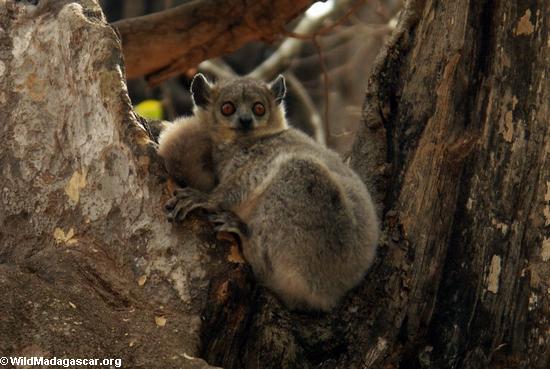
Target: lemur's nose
{"points": [[245, 121]]}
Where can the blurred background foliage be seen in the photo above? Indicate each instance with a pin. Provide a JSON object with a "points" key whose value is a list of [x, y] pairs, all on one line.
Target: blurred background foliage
{"points": [[347, 54]]}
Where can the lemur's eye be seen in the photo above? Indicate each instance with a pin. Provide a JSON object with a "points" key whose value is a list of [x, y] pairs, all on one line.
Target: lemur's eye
{"points": [[228, 108], [258, 109]]}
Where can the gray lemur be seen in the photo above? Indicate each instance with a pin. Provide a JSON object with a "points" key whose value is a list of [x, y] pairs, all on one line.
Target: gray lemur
{"points": [[306, 221]]}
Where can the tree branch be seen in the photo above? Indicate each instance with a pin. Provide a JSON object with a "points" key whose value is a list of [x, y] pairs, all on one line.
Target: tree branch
{"points": [[290, 48], [163, 44], [217, 68], [314, 121]]}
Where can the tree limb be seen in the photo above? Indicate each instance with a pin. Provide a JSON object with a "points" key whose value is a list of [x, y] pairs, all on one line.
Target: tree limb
{"points": [[314, 120], [217, 68], [290, 48], [163, 44]]}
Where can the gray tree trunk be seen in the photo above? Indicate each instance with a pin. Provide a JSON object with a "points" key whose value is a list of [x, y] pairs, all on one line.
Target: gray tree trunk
{"points": [[454, 144], [88, 265]]}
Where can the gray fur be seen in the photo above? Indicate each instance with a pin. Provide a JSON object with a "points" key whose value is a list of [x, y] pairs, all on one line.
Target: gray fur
{"points": [[186, 149], [307, 222]]}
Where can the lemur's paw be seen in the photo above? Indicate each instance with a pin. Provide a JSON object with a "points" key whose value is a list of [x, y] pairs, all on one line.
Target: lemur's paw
{"points": [[183, 202], [226, 221]]}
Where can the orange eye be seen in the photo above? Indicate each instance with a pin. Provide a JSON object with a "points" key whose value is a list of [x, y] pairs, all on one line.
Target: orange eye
{"points": [[228, 108], [258, 109]]}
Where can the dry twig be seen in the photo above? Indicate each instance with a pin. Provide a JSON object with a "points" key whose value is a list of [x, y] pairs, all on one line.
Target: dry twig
{"points": [[309, 29]]}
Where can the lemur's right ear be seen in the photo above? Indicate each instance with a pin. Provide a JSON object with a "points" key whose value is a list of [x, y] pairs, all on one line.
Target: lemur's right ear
{"points": [[200, 90]]}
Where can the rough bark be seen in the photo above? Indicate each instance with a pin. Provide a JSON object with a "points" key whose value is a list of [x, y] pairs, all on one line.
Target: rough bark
{"points": [[454, 144], [170, 42], [89, 267], [459, 106]]}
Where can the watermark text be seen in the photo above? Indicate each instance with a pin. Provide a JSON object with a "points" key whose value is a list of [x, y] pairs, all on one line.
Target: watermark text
{"points": [[59, 362]]}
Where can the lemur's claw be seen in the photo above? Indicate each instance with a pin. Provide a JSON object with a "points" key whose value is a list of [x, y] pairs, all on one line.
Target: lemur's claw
{"points": [[226, 221], [184, 201]]}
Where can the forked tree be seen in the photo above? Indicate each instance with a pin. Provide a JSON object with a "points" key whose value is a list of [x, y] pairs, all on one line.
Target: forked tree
{"points": [[455, 144]]}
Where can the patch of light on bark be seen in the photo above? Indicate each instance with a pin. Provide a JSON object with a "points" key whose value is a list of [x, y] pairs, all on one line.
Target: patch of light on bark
{"points": [[320, 8], [494, 274]]}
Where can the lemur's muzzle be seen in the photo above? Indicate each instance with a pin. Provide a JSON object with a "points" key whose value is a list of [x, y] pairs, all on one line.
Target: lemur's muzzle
{"points": [[245, 123]]}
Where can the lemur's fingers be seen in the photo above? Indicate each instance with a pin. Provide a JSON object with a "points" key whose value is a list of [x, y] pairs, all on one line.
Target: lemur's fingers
{"points": [[183, 202], [169, 205], [185, 208], [177, 194], [229, 222], [182, 193], [239, 231], [180, 210]]}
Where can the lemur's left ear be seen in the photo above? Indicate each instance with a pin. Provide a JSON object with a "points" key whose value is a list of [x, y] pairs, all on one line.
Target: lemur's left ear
{"points": [[200, 90], [278, 88]]}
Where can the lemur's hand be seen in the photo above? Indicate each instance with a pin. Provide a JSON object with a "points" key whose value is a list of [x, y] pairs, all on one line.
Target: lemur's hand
{"points": [[184, 201], [227, 221]]}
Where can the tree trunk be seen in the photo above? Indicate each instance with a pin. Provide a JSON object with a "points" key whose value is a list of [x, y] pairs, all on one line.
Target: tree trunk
{"points": [[457, 120], [89, 266], [454, 146]]}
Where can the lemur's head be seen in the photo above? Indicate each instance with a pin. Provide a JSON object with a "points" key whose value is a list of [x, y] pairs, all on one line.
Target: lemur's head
{"points": [[241, 107]]}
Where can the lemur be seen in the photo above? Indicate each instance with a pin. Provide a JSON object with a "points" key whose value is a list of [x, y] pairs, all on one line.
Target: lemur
{"points": [[306, 221]]}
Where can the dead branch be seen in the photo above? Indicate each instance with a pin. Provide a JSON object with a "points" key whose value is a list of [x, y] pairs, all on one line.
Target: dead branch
{"points": [[163, 44], [291, 47], [307, 30], [217, 68], [300, 93]]}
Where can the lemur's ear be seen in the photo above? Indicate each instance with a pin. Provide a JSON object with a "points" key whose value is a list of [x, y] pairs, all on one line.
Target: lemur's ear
{"points": [[200, 90], [278, 88]]}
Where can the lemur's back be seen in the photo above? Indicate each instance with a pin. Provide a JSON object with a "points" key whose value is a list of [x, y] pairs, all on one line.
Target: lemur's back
{"points": [[313, 225], [272, 149]]}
